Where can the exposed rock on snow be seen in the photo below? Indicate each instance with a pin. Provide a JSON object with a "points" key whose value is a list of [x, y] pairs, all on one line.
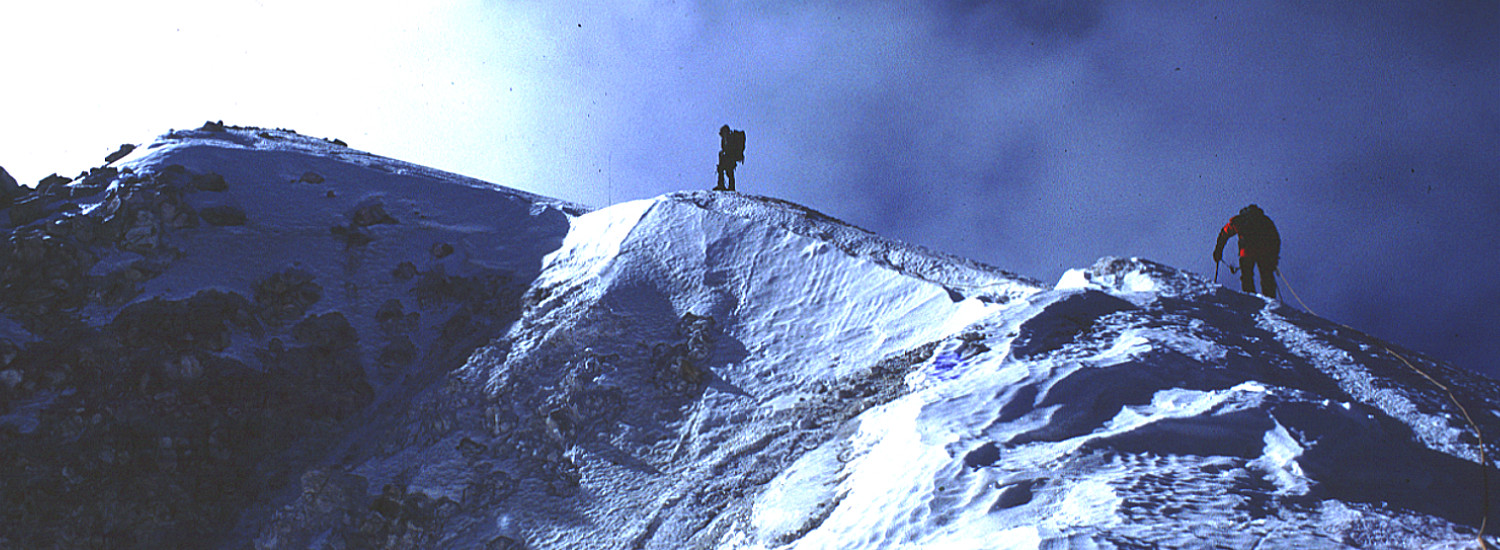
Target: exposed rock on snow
{"points": [[120, 153], [247, 338], [163, 378], [10, 190]]}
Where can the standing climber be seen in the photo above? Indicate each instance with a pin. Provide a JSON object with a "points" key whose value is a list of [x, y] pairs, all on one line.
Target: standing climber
{"points": [[1260, 247], [731, 151]]}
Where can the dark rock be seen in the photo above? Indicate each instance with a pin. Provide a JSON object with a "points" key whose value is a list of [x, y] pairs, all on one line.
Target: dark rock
{"points": [[287, 295], [7, 182], [202, 322], [393, 319], [1014, 495], [173, 175], [27, 210], [351, 236], [52, 180], [311, 177], [213, 126], [984, 456], [371, 214], [98, 178], [401, 352], [504, 543], [84, 228], [125, 149], [53, 187], [222, 215], [404, 271], [441, 250], [471, 449], [330, 331], [142, 236], [209, 182], [176, 215], [10, 190], [388, 504]]}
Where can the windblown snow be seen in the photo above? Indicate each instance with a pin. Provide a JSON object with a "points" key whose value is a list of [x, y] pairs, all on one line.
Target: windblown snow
{"points": [[247, 338]]}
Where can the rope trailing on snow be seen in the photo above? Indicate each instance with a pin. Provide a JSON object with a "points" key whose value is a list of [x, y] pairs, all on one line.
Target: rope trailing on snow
{"points": [[1484, 462]]}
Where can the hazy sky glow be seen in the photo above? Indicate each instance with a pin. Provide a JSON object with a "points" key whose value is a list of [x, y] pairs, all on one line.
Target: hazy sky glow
{"points": [[1033, 135]]}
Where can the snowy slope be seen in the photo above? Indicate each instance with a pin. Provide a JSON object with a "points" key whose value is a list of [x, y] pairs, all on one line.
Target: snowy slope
{"points": [[187, 329], [698, 370]]}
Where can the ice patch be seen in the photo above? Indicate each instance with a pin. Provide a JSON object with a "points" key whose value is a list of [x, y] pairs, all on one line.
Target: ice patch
{"points": [[800, 498], [1074, 279], [1177, 403], [1279, 461], [1136, 281], [1089, 503]]}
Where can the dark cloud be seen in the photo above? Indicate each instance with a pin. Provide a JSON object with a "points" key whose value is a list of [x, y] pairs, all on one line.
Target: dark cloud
{"points": [[1040, 136], [1000, 23]]}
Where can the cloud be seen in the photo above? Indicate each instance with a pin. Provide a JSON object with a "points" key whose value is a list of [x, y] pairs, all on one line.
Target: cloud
{"points": [[1039, 136]]}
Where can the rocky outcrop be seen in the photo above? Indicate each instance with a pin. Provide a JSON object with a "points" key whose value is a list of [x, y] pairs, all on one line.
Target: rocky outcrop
{"points": [[10, 190], [151, 429], [125, 149], [136, 413]]}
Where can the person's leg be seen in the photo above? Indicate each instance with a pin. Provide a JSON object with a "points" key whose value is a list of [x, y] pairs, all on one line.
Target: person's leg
{"points": [[720, 167], [1268, 278], [1247, 274], [731, 177]]}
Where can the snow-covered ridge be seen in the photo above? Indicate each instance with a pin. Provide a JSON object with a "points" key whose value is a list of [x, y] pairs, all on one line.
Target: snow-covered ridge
{"points": [[233, 138], [248, 338], [964, 276]]}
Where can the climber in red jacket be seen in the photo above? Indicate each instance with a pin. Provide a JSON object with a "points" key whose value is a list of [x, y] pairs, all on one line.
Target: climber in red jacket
{"points": [[1260, 246]]}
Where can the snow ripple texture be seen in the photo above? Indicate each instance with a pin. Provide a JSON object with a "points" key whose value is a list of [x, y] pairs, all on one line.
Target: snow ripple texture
{"points": [[843, 400]]}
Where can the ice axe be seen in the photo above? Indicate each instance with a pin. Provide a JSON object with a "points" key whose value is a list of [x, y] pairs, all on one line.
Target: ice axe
{"points": [[1232, 269]]}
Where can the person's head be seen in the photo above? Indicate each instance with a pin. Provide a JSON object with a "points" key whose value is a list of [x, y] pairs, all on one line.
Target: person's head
{"points": [[1251, 210], [724, 130]]}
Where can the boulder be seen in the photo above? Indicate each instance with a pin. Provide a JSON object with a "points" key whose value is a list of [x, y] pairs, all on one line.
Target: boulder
{"points": [[209, 182], [287, 295], [10, 190], [144, 235], [404, 271], [29, 209], [51, 185], [125, 149], [329, 331], [371, 214], [393, 318]]}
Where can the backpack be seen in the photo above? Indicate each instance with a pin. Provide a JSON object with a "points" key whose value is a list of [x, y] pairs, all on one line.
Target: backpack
{"points": [[734, 147]]}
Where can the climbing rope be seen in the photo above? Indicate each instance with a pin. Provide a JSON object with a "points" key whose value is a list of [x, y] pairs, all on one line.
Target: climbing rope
{"points": [[1483, 460]]}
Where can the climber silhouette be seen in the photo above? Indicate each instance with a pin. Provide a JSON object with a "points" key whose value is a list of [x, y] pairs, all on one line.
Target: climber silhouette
{"points": [[1260, 247], [731, 151]]}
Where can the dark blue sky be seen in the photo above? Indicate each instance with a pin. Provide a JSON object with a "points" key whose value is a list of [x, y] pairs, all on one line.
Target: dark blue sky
{"points": [[1034, 135]]}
